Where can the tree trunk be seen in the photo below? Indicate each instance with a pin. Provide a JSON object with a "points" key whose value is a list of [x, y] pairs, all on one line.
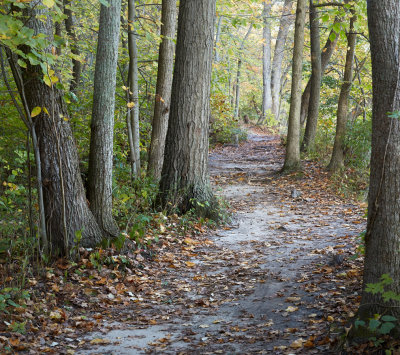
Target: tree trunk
{"points": [[217, 38], [337, 159], [279, 52], [184, 182], [67, 211], [292, 157], [76, 64], [382, 238], [238, 73], [102, 125], [267, 98], [133, 78], [163, 88], [326, 55], [315, 81]]}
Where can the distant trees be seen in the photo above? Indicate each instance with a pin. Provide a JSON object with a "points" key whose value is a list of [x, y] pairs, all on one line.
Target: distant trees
{"points": [[184, 179]]}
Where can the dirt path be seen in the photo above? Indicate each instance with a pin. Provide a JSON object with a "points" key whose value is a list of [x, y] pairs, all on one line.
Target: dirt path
{"points": [[281, 279]]}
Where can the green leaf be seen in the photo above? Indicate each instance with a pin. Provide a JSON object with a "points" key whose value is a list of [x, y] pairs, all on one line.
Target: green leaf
{"points": [[359, 323], [374, 324], [104, 2], [386, 328], [36, 111], [389, 319], [21, 63], [12, 303], [332, 36]]}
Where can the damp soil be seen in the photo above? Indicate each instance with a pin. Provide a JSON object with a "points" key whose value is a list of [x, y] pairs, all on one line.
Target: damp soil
{"points": [[271, 281]]}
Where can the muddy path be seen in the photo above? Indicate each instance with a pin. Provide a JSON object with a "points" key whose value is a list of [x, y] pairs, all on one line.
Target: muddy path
{"points": [[282, 278]]}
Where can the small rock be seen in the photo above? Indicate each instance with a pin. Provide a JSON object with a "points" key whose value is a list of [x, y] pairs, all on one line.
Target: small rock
{"points": [[295, 193]]}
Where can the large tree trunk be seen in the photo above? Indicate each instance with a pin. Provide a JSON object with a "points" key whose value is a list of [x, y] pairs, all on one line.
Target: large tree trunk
{"points": [[326, 55], [279, 53], [337, 159], [67, 211], [315, 80], [238, 73], [133, 94], [102, 125], [382, 239], [292, 157], [184, 182], [163, 89], [76, 64], [267, 98]]}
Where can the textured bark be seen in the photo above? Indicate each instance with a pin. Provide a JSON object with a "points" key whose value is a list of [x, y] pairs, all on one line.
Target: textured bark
{"points": [[266, 98], [326, 55], [163, 88], [76, 64], [238, 73], [292, 157], [383, 229], [102, 125], [337, 159], [133, 77], [279, 53], [184, 182], [315, 81], [67, 211]]}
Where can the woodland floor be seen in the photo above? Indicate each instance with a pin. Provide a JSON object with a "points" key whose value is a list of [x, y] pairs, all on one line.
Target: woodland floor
{"points": [[283, 278]]}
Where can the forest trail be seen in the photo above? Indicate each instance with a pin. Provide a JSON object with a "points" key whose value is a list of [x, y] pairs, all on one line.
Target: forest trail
{"points": [[279, 280]]}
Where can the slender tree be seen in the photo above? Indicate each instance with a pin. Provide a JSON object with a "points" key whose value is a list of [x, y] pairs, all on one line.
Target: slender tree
{"points": [[292, 157], [267, 95], [239, 72], [133, 92], [76, 64], [315, 80], [102, 125], [279, 52], [163, 89], [184, 181], [66, 207], [337, 159], [326, 55], [382, 239]]}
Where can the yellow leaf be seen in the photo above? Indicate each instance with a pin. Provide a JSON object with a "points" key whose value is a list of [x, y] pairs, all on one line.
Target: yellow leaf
{"points": [[292, 309], [124, 87], [130, 104], [48, 3], [36, 111], [45, 110], [47, 81], [190, 264]]}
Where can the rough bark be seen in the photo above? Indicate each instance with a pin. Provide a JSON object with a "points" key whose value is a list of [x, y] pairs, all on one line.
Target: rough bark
{"points": [[337, 159], [238, 73], [383, 229], [76, 64], [133, 95], [279, 53], [67, 210], [102, 125], [267, 96], [292, 157], [326, 55], [184, 182], [315, 81], [163, 88]]}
